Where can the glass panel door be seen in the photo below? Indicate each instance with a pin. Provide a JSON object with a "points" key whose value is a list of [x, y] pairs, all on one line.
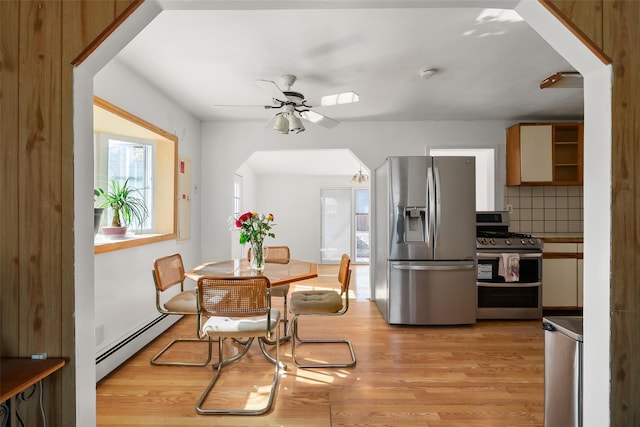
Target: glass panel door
{"points": [[361, 221], [335, 224]]}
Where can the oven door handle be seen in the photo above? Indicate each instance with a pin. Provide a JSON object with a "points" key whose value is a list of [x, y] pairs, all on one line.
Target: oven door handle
{"points": [[441, 267], [508, 284], [485, 255]]}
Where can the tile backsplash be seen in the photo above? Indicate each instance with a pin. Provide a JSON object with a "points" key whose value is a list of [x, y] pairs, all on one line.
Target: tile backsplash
{"points": [[545, 209]]}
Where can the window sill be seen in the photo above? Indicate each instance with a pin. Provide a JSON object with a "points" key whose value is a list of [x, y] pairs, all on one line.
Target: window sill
{"points": [[102, 244]]}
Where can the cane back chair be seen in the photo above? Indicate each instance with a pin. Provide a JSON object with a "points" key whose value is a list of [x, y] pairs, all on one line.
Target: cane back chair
{"points": [[322, 303], [236, 307], [168, 271]]}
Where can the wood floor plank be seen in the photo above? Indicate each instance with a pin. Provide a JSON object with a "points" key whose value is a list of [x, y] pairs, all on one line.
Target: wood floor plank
{"points": [[488, 374]]}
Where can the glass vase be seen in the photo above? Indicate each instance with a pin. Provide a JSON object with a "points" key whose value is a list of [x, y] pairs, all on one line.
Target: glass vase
{"points": [[258, 256]]}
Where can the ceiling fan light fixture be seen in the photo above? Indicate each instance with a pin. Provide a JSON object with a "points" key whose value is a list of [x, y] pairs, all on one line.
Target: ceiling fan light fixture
{"points": [[295, 124], [282, 124]]}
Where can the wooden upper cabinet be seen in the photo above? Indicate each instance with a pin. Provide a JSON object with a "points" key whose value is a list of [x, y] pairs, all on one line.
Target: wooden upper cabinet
{"points": [[544, 154]]}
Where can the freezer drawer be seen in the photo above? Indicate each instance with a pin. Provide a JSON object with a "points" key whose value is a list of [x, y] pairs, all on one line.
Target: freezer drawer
{"points": [[432, 293]]}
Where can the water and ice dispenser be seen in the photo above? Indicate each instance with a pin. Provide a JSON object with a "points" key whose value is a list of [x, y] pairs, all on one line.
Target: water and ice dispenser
{"points": [[411, 227]]}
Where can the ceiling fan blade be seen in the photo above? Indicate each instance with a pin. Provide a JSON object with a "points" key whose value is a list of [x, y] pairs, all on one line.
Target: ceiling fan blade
{"points": [[339, 98], [272, 89], [319, 119], [238, 106]]}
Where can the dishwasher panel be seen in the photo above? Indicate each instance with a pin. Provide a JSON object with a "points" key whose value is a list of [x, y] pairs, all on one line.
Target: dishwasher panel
{"points": [[562, 371]]}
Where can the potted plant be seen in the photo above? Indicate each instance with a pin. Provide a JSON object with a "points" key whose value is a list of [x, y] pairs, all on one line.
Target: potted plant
{"points": [[126, 205], [97, 212]]}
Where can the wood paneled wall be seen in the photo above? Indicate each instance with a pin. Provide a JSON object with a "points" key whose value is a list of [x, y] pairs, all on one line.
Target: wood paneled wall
{"points": [[38, 42], [614, 26], [621, 41]]}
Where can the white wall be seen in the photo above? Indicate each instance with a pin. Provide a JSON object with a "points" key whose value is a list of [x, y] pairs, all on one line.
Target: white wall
{"points": [[597, 206], [124, 289], [225, 147], [295, 203]]}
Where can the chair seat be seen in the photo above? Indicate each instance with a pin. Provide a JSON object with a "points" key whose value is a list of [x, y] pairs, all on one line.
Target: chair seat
{"points": [[239, 327], [310, 302], [184, 302], [280, 290]]}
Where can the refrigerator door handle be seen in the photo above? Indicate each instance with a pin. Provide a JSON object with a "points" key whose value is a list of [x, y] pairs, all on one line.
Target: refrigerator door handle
{"points": [[467, 266], [432, 210], [400, 224], [437, 203]]}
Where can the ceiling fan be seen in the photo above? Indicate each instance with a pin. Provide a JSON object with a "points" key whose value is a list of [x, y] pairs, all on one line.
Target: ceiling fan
{"points": [[293, 106]]}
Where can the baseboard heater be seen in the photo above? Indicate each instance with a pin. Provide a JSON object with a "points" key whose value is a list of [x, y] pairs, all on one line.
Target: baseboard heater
{"points": [[122, 350]]}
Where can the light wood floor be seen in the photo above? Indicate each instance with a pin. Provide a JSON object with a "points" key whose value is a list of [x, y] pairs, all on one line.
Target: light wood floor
{"points": [[489, 374]]}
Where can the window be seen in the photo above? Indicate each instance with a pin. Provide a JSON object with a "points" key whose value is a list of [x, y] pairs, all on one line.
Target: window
{"points": [[485, 172], [236, 247], [237, 195], [361, 218], [121, 158], [127, 147]]}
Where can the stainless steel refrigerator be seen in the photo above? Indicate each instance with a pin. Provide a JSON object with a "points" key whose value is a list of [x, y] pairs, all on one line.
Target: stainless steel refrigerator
{"points": [[424, 240]]}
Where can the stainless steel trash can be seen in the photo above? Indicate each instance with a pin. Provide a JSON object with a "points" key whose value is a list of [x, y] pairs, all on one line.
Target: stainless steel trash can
{"points": [[562, 371]]}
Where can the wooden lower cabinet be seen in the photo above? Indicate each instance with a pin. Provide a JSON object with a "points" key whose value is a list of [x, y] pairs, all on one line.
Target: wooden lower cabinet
{"points": [[580, 275], [562, 276]]}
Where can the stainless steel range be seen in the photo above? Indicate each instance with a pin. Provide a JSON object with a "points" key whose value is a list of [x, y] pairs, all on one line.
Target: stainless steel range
{"points": [[509, 278]]}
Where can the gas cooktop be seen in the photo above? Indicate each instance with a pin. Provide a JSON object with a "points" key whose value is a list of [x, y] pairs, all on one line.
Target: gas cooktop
{"points": [[507, 240], [492, 233]]}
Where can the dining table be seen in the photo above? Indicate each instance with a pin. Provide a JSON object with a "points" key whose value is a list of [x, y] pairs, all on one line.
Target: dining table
{"points": [[278, 272]]}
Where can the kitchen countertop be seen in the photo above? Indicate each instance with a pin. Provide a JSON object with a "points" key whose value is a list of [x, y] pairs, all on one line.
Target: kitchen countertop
{"points": [[561, 237]]}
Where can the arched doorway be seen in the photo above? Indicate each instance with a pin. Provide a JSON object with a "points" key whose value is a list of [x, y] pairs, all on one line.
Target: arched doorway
{"points": [[598, 128]]}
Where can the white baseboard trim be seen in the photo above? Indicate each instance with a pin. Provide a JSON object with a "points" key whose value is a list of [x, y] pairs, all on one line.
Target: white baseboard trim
{"points": [[119, 352]]}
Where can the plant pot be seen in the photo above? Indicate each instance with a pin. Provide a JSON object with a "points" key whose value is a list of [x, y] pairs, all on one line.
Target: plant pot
{"points": [[97, 217], [114, 231]]}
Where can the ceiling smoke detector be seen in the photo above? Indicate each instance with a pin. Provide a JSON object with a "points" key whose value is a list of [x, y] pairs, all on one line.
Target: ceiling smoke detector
{"points": [[427, 73]]}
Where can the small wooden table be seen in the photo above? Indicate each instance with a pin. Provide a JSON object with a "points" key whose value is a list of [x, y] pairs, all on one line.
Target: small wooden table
{"points": [[277, 273], [17, 375]]}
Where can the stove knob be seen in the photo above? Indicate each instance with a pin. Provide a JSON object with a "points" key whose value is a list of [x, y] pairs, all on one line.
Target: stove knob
{"points": [[523, 241], [507, 241], [531, 242], [492, 241]]}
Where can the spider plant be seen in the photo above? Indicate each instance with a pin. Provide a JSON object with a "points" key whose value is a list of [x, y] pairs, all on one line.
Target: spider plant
{"points": [[126, 205]]}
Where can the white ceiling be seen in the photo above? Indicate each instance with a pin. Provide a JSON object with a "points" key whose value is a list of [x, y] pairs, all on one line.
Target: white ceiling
{"points": [[490, 62]]}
